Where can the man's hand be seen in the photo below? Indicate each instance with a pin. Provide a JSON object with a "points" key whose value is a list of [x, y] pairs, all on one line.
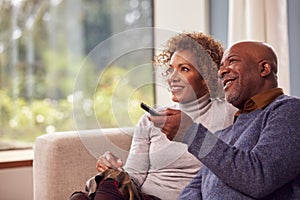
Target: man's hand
{"points": [[174, 123], [108, 161]]}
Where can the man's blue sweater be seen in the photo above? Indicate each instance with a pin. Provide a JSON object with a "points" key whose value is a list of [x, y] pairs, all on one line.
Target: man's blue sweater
{"points": [[258, 157]]}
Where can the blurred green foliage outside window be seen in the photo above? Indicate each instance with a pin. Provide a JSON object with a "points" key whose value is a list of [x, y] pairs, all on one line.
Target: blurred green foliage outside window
{"points": [[44, 45]]}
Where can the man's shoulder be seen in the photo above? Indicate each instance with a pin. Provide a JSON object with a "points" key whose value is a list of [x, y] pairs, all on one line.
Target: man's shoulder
{"points": [[287, 99], [286, 102]]}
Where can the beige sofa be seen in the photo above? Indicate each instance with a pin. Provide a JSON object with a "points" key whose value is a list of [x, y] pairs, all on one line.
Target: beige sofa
{"points": [[63, 161]]}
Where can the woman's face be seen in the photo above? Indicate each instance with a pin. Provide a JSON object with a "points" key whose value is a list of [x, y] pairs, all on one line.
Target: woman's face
{"points": [[185, 82]]}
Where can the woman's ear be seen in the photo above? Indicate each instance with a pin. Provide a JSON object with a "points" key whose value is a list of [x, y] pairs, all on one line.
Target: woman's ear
{"points": [[265, 68]]}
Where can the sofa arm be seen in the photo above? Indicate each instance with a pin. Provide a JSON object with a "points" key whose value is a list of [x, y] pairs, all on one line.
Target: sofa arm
{"points": [[64, 161]]}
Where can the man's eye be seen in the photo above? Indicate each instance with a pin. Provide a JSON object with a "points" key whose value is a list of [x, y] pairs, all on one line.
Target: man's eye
{"points": [[231, 61]]}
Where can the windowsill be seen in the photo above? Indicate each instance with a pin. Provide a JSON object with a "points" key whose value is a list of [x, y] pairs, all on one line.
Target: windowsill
{"points": [[16, 158]]}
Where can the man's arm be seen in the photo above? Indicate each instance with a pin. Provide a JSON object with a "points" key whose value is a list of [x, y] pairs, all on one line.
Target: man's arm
{"points": [[271, 163], [174, 123], [193, 190]]}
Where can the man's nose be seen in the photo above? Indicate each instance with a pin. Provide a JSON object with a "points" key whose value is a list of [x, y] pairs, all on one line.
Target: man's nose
{"points": [[222, 71]]}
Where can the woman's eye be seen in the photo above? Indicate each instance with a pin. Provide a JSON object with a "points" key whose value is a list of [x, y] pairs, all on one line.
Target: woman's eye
{"points": [[169, 71], [185, 69]]}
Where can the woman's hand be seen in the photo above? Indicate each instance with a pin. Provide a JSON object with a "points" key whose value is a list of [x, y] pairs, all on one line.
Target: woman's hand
{"points": [[108, 161]]}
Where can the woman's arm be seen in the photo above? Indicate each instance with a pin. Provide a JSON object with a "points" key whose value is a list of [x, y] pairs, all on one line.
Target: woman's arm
{"points": [[138, 163]]}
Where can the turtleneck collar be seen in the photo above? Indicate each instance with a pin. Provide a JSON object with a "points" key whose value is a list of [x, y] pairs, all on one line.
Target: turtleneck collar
{"points": [[196, 107]]}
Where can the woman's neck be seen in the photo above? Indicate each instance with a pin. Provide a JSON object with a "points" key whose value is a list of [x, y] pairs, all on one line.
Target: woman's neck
{"points": [[196, 107]]}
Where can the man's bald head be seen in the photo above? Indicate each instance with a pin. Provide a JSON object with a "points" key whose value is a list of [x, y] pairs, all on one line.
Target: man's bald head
{"points": [[258, 51]]}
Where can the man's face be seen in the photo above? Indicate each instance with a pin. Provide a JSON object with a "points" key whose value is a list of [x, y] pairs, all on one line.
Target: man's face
{"points": [[239, 74]]}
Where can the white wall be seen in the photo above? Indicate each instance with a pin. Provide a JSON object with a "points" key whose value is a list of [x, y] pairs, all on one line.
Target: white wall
{"points": [[16, 184]]}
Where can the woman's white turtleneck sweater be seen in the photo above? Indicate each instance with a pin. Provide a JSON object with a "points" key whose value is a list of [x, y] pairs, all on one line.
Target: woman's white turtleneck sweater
{"points": [[162, 167]]}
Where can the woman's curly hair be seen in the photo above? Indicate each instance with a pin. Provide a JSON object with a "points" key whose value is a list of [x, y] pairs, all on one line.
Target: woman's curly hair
{"points": [[207, 51]]}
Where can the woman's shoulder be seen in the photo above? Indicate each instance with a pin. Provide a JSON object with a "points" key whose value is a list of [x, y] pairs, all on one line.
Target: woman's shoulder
{"points": [[222, 107], [222, 103]]}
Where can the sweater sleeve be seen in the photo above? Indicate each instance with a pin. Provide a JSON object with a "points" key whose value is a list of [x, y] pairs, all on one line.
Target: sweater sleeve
{"points": [[193, 190], [273, 161], [137, 163]]}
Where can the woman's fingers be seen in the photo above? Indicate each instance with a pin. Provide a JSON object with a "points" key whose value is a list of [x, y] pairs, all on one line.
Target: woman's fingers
{"points": [[108, 160]]}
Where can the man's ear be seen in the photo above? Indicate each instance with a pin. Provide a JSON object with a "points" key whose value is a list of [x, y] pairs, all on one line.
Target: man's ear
{"points": [[265, 68]]}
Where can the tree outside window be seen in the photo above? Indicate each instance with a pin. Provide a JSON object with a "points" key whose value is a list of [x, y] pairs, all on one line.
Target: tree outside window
{"points": [[44, 46]]}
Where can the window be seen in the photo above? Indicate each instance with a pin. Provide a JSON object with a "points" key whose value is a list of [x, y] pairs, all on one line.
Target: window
{"points": [[61, 67]]}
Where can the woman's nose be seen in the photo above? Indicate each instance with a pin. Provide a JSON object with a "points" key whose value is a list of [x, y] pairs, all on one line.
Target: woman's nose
{"points": [[174, 76]]}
